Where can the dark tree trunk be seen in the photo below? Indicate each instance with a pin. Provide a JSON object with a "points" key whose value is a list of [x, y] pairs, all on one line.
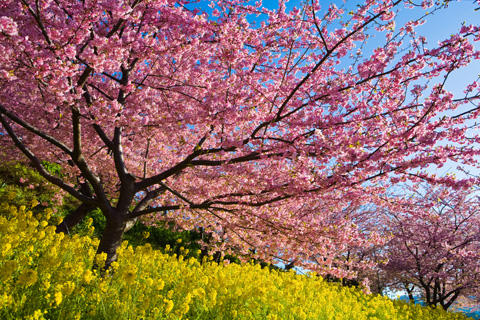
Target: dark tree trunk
{"points": [[112, 237], [428, 298], [74, 218], [410, 293], [410, 297], [447, 305], [217, 256]]}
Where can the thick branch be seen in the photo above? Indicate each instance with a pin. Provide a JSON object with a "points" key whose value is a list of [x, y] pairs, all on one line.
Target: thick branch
{"points": [[167, 173], [103, 136], [41, 169], [83, 78], [115, 28], [77, 134], [149, 197], [246, 158], [82, 164], [127, 180], [74, 218], [36, 131], [118, 155], [124, 80], [173, 207]]}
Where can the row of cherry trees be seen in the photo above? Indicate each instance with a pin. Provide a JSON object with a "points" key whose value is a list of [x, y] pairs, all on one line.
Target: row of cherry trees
{"points": [[262, 127], [431, 248]]}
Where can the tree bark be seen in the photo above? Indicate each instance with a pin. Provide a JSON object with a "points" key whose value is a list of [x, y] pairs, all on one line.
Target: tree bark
{"points": [[447, 305], [74, 218], [409, 292], [112, 237], [410, 297], [130, 224]]}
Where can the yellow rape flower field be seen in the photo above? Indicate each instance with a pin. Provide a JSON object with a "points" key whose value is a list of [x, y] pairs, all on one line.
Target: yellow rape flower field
{"points": [[49, 276]]}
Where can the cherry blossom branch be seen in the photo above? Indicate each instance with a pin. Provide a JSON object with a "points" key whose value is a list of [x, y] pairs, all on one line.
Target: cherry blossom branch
{"points": [[36, 16], [41, 169], [145, 183], [108, 143], [126, 179], [101, 92], [325, 57], [36, 131], [171, 208], [80, 161], [147, 199]]}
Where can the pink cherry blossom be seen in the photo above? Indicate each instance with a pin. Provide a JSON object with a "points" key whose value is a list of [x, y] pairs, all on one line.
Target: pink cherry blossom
{"points": [[433, 251], [261, 126]]}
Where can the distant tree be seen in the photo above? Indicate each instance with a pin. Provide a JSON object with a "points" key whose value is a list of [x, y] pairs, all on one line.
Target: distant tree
{"points": [[259, 132], [435, 248]]}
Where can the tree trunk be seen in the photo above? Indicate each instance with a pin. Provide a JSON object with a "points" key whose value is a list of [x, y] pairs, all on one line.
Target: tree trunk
{"points": [[446, 305], [428, 299], [410, 297], [74, 218], [112, 238], [410, 293]]}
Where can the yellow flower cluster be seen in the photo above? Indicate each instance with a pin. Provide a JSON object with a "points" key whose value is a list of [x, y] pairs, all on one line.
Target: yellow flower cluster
{"points": [[49, 276]]}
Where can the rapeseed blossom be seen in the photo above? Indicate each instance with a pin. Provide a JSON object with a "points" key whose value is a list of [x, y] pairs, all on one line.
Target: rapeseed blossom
{"points": [[27, 277], [130, 274], [58, 297], [49, 275]]}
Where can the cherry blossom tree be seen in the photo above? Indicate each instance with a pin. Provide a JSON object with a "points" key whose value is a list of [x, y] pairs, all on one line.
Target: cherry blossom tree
{"points": [[259, 126], [434, 250]]}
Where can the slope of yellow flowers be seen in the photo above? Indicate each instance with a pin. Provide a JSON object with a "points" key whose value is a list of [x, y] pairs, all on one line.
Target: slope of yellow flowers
{"points": [[49, 276]]}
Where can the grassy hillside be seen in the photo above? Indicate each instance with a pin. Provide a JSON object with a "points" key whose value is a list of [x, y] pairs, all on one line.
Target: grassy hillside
{"points": [[49, 276]]}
